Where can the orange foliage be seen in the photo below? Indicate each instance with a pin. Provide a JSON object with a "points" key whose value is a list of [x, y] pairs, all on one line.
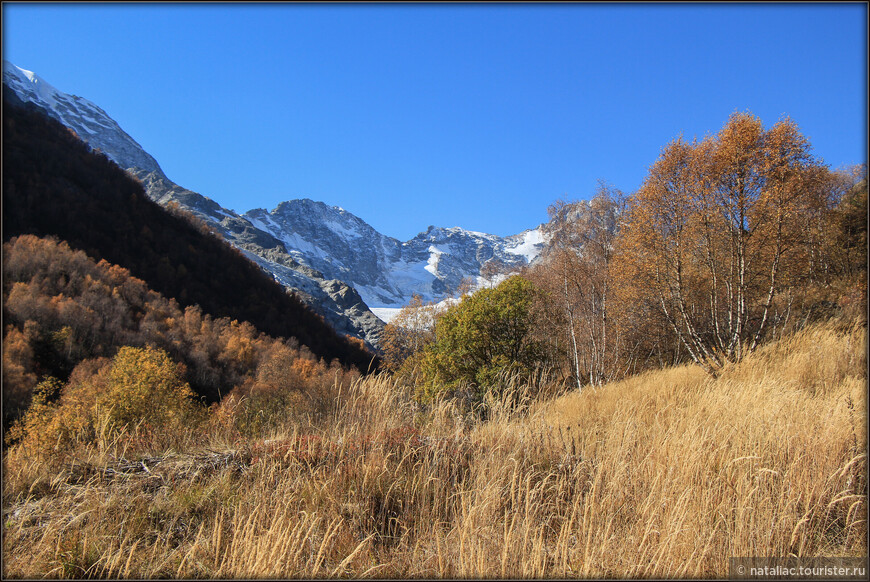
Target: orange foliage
{"points": [[717, 233], [64, 308]]}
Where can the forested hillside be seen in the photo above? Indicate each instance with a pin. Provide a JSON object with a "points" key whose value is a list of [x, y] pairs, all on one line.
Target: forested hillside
{"points": [[54, 186], [64, 311], [119, 270]]}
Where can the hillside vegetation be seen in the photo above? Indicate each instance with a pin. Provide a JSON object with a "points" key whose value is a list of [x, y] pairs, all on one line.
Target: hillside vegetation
{"points": [[668, 473], [54, 186], [731, 242], [64, 312]]}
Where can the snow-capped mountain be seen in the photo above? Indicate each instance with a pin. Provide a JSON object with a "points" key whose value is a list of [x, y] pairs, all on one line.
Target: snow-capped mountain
{"points": [[334, 260], [91, 123], [385, 271]]}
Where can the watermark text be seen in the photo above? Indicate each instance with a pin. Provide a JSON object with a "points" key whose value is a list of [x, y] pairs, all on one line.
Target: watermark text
{"points": [[798, 568]]}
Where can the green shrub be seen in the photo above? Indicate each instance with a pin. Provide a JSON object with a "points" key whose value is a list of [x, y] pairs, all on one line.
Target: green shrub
{"points": [[481, 339]]}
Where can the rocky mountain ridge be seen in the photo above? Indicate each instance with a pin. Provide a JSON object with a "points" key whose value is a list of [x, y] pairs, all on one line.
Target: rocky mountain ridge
{"points": [[332, 259], [386, 271]]}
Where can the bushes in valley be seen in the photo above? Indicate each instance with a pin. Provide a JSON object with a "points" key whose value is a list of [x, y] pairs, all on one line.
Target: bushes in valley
{"points": [[140, 389], [666, 474], [290, 388], [62, 308], [140, 400], [145, 385], [481, 339]]}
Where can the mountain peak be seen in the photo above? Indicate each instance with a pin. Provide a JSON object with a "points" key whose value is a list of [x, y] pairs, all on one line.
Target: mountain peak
{"points": [[45, 91], [90, 122]]}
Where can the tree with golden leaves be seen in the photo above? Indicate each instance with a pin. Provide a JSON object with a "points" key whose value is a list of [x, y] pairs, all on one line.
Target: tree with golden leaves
{"points": [[714, 231], [576, 282]]}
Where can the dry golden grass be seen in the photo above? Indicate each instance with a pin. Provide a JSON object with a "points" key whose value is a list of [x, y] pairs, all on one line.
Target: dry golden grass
{"points": [[769, 459], [667, 474]]}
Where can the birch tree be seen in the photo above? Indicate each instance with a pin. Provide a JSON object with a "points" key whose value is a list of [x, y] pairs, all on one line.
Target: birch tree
{"points": [[714, 231], [582, 236]]}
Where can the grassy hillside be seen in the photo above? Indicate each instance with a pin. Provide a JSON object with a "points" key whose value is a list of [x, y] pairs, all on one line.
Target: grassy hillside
{"points": [[668, 473]]}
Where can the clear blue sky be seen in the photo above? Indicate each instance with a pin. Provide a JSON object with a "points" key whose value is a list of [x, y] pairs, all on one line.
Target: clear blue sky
{"points": [[467, 115]]}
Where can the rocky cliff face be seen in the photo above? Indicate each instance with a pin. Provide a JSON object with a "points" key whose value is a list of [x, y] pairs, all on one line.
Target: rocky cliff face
{"points": [[332, 259]]}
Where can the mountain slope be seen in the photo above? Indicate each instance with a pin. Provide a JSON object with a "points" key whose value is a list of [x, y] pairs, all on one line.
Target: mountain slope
{"points": [[54, 185], [337, 263], [90, 123]]}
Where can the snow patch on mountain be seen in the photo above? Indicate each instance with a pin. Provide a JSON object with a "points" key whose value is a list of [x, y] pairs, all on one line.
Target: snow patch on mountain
{"points": [[387, 314], [530, 244], [434, 258]]}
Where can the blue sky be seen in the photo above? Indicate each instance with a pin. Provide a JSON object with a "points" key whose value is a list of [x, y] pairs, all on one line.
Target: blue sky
{"points": [[477, 116]]}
